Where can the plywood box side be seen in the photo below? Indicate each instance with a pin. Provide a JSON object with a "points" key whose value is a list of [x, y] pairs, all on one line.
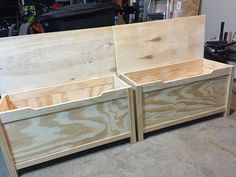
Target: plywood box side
{"points": [[181, 72], [176, 102], [209, 65], [158, 43], [83, 84], [167, 73], [53, 156], [54, 95], [30, 62], [76, 91], [187, 118], [67, 129], [27, 112]]}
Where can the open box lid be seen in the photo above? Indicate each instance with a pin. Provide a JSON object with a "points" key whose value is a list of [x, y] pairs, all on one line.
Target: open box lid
{"points": [[152, 44], [33, 61]]}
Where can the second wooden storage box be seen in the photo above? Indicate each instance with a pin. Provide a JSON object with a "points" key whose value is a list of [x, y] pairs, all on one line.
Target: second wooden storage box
{"points": [[173, 83]]}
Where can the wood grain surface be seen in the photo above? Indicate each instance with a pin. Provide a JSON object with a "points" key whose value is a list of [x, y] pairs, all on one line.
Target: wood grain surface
{"points": [[61, 94], [4, 105], [157, 43], [33, 61], [47, 134], [168, 73], [177, 102]]}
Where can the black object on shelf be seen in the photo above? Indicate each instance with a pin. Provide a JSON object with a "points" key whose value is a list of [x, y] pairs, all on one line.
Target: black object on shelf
{"points": [[8, 15], [221, 50], [231, 53], [8, 8], [80, 16]]}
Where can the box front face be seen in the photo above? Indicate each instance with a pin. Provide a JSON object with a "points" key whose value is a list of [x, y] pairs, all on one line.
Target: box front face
{"points": [[174, 103], [57, 132]]}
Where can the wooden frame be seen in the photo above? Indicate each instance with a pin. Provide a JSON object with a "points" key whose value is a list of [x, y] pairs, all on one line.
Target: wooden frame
{"points": [[173, 84], [56, 104]]}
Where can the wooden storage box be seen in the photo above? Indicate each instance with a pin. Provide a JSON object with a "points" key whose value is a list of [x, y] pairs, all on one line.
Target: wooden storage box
{"points": [[163, 61], [60, 95]]}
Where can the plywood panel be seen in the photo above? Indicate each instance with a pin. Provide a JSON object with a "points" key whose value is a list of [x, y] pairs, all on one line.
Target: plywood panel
{"points": [[168, 73], [61, 94], [47, 134], [157, 43], [39, 101], [30, 62], [177, 102]]}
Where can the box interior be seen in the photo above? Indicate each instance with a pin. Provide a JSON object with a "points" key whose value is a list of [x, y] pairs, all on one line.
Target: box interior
{"points": [[76, 91], [174, 72]]}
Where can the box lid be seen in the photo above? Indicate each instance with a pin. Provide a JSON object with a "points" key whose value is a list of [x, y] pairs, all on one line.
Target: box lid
{"points": [[33, 61], [158, 43]]}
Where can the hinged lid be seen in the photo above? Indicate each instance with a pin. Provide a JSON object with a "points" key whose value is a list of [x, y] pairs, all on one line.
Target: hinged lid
{"points": [[157, 43], [29, 62]]}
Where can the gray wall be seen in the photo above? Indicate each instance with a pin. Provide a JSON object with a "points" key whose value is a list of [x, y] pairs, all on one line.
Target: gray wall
{"points": [[217, 11]]}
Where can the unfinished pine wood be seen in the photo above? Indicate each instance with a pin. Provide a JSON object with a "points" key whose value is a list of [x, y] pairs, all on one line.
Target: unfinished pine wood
{"points": [[171, 104], [44, 135], [158, 43], [187, 118], [7, 151], [28, 113], [30, 62], [163, 62], [168, 73], [177, 72], [139, 112], [132, 115], [63, 93], [60, 95]]}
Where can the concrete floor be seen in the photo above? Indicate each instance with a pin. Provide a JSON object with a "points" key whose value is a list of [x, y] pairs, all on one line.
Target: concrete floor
{"points": [[205, 148]]}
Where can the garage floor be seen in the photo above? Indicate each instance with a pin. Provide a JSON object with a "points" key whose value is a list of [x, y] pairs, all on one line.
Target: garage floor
{"points": [[205, 148]]}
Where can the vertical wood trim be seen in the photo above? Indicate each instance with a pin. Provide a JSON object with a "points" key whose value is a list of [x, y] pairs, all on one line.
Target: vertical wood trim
{"points": [[131, 115], [229, 92], [139, 111], [7, 152]]}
